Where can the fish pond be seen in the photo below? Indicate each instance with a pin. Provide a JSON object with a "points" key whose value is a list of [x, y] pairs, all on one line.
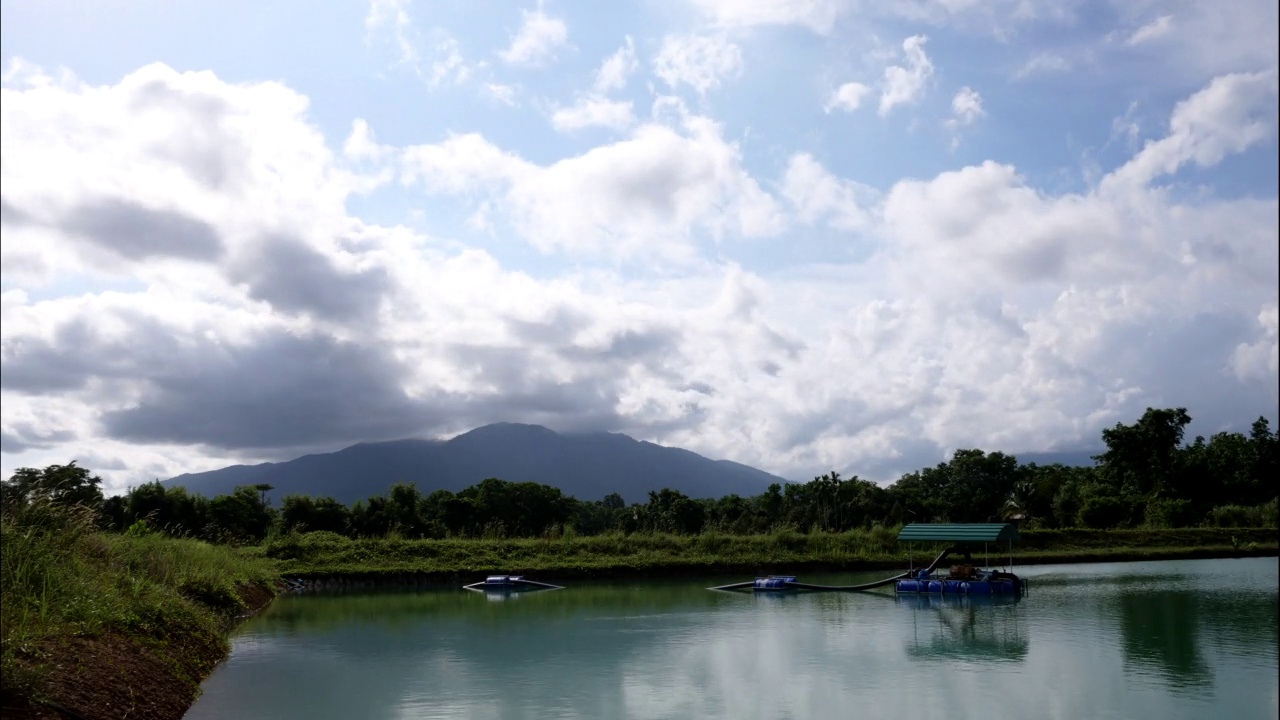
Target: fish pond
{"points": [[1168, 640]]}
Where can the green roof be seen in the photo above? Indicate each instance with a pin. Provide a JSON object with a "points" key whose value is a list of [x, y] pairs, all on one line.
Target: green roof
{"points": [[958, 532]]}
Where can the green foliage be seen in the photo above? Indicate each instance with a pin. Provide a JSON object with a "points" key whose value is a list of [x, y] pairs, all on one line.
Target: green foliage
{"points": [[1170, 513], [61, 576], [1103, 512], [64, 485], [1236, 516]]}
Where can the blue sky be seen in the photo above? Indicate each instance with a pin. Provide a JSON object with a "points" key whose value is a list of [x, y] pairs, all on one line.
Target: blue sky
{"points": [[807, 235]]}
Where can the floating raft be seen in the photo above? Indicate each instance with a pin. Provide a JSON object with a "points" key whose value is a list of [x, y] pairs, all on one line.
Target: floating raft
{"points": [[964, 579], [510, 583]]}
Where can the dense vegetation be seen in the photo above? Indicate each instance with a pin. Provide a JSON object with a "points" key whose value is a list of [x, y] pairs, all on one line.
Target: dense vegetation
{"points": [[1146, 478], [327, 555], [69, 590]]}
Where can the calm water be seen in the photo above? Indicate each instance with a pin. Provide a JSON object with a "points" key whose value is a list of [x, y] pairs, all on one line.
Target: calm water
{"points": [[1178, 639]]}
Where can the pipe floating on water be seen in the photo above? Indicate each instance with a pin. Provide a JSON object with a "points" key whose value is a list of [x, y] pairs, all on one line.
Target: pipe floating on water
{"points": [[779, 583], [509, 583]]}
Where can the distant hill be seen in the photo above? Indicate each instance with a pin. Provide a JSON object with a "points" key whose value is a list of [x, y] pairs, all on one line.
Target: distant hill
{"points": [[587, 466], [1076, 458]]}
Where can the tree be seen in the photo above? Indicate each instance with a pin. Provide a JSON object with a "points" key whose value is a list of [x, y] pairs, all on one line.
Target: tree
{"points": [[60, 484], [1141, 458]]}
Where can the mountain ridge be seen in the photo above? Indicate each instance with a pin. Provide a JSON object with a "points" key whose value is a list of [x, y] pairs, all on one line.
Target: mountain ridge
{"points": [[586, 465]]}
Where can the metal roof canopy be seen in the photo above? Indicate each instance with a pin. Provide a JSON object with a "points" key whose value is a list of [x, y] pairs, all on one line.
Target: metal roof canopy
{"points": [[958, 532]]}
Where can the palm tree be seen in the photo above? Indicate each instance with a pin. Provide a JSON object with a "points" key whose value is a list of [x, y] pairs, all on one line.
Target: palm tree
{"points": [[1018, 505]]}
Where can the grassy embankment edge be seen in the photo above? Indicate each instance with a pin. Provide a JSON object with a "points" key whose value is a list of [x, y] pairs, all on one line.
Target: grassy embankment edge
{"points": [[100, 624], [325, 556]]}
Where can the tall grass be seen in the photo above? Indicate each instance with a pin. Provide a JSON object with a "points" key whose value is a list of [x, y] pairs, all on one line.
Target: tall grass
{"points": [[326, 553], [61, 578]]}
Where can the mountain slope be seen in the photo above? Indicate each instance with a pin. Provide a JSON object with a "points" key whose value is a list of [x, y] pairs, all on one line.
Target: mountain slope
{"points": [[587, 466]]}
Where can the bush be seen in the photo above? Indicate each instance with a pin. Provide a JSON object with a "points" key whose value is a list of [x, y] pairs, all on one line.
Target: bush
{"points": [[1236, 516], [1169, 513], [1103, 512]]}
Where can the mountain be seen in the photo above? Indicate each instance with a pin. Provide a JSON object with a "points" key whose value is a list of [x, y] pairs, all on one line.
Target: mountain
{"points": [[587, 466]]}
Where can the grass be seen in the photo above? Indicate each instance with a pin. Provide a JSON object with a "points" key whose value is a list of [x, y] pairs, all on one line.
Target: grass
{"points": [[61, 580], [326, 554]]}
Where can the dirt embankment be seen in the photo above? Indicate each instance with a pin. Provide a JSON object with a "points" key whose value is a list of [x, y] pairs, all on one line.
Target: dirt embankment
{"points": [[115, 676]]}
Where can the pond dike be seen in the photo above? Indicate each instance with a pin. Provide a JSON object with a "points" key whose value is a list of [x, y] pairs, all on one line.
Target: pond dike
{"points": [[373, 579]]}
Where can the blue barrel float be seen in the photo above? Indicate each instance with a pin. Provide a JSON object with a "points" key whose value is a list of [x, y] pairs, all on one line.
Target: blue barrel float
{"points": [[774, 583]]}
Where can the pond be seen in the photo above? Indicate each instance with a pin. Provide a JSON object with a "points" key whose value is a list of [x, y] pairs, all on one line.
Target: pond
{"points": [[1173, 639]]}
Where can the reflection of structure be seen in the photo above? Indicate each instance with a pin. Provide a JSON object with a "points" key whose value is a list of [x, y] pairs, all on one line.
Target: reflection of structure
{"points": [[973, 627]]}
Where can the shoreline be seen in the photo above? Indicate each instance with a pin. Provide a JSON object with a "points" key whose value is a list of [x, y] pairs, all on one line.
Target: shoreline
{"points": [[136, 667], [391, 578]]}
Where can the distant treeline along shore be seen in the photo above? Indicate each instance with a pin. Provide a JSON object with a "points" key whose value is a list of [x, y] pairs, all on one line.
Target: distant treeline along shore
{"points": [[1147, 477]]}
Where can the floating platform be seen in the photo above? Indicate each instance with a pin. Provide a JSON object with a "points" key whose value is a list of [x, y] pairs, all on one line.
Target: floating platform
{"points": [[982, 582], [964, 579], [510, 583]]}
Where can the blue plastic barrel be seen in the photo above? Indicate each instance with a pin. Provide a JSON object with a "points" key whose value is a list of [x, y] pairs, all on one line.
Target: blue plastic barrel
{"points": [[935, 586], [981, 587], [908, 586]]}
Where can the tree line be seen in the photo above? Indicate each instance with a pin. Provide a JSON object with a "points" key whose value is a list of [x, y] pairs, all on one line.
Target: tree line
{"points": [[1147, 477]]}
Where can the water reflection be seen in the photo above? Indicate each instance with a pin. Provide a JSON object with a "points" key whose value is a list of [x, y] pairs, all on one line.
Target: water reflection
{"points": [[949, 628], [1171, 640], [1160, 632]]}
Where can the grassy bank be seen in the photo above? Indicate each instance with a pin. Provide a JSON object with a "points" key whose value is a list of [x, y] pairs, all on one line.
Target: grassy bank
{"points": [[327, 554], [109, 625]]}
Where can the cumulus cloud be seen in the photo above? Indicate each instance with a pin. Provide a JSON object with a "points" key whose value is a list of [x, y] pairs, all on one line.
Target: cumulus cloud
{"points": [[616, 68], [593, 111], [816, 194], [536, 42], [699, 61], [1231, 114], [647, 194], [906, 84], [847, 97], [226, 306]]}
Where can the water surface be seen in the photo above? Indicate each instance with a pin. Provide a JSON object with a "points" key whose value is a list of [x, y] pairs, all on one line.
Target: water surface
{"points": [[1168, 640]]}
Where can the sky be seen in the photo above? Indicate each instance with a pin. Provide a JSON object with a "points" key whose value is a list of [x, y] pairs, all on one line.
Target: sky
{"points": [[805, 235]]}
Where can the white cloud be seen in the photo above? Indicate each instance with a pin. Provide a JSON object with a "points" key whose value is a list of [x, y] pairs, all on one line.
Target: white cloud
{"points": [[1152, 30], [448, 67], [817, 194], [204, 256], [646, 195], [593, 111], [1043, 64], [1259, 360], [540, 35], [905, 85], [505, 94], [1231, 114], [616, 68], [847, 97], [395, 15], [817, 15], [966, 106], [699, 61]]}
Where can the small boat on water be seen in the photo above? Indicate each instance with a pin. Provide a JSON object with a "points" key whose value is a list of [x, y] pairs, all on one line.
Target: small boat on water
{"points": [[510, 583]]}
